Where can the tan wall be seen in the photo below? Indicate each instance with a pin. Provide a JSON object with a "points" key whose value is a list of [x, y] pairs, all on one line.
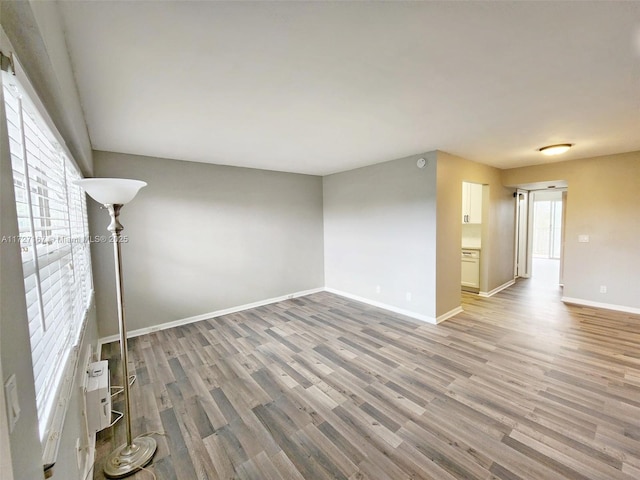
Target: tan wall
{"points": [[498, 223], [603, 201]]}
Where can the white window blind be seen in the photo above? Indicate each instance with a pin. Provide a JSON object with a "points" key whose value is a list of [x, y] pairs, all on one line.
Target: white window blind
{"points": [[56, 262]]}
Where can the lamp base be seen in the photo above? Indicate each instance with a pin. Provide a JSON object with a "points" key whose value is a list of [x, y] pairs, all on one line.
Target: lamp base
{"points": [[126, 460]]}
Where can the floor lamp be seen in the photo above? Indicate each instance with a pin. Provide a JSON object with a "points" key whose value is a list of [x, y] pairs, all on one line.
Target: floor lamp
{"points": [[113, 193]]}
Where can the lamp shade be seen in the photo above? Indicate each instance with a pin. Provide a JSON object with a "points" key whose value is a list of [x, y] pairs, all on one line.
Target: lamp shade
{"points": [[111, 191]]}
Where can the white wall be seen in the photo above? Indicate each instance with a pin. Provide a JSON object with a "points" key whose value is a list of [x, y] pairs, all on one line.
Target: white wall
{"points": [[205, 238], [379, 230], [603, 196]]}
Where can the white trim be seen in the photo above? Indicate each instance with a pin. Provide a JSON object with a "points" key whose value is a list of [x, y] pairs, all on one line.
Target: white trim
{"points": [[206, 316], [90, 448], [607, 306], [384, 306], [497, 289], [449, 314], [88, 473], [6, 466], [247, 306], [31, 97]]}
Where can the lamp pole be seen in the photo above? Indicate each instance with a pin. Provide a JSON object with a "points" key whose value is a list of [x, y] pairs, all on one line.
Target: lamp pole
{"points": [[115, 227], [135, 453], [113, 193]]}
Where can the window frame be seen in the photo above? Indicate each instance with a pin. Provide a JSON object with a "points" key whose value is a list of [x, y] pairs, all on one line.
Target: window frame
{"points": [[74, 219]]}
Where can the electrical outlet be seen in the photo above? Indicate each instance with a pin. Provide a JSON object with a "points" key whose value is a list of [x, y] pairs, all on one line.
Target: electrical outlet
{"points": [[378, 289], [603, 289], [408, 296]]}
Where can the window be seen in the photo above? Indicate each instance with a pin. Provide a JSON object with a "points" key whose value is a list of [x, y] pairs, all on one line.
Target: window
{"points": [[53, 235], [547, 226]]}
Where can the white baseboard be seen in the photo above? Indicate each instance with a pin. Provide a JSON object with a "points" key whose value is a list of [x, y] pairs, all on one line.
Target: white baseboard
{"points": [[206, 316], [497, 289], [247, 306], [606, 306], [449, 314], [384, 306]]}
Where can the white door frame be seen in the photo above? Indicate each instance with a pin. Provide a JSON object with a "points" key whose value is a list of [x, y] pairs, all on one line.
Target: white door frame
{"points": [[522, 257], [524, 228]]}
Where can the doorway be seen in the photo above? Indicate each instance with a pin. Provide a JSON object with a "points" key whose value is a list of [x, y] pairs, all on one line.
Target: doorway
{"points": [[540, 215], [547, 235], [547, 224]]}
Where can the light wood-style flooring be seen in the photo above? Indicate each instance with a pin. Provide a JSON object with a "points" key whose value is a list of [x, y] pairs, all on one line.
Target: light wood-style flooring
{"points": [[519, 386]]}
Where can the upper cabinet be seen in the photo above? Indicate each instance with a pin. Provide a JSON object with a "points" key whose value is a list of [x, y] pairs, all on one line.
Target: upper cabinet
{"points": [[471, 202]]}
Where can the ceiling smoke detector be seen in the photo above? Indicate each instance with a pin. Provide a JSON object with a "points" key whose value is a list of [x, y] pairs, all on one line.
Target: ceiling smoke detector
{"points": [[555, 149]]}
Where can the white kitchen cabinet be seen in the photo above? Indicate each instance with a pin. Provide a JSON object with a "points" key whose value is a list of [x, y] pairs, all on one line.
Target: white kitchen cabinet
{"points": [[470, 278], [471, 202]]}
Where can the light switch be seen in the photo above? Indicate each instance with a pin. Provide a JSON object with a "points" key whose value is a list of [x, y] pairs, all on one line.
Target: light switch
{"points": [[583, 238], [13, 405]]}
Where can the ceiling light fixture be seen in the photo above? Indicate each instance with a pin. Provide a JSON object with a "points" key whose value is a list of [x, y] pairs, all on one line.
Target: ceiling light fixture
{"points": [[555, 149]]}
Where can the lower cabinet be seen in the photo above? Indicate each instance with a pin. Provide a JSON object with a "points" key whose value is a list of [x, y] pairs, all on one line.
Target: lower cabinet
{"points": [[470, 278]]}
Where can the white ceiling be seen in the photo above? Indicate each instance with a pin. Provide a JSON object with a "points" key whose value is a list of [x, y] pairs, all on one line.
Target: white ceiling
{"points": [[319, 87]]}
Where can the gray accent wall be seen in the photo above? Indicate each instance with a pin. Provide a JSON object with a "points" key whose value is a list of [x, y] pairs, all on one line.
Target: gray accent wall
{"points": [[380, 230], [203, 238], [398, 227], [603, 197]]}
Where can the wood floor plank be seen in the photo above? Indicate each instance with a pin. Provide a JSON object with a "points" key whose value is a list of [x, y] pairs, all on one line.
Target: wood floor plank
{"points": [[259, 467], [518, 386]]}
